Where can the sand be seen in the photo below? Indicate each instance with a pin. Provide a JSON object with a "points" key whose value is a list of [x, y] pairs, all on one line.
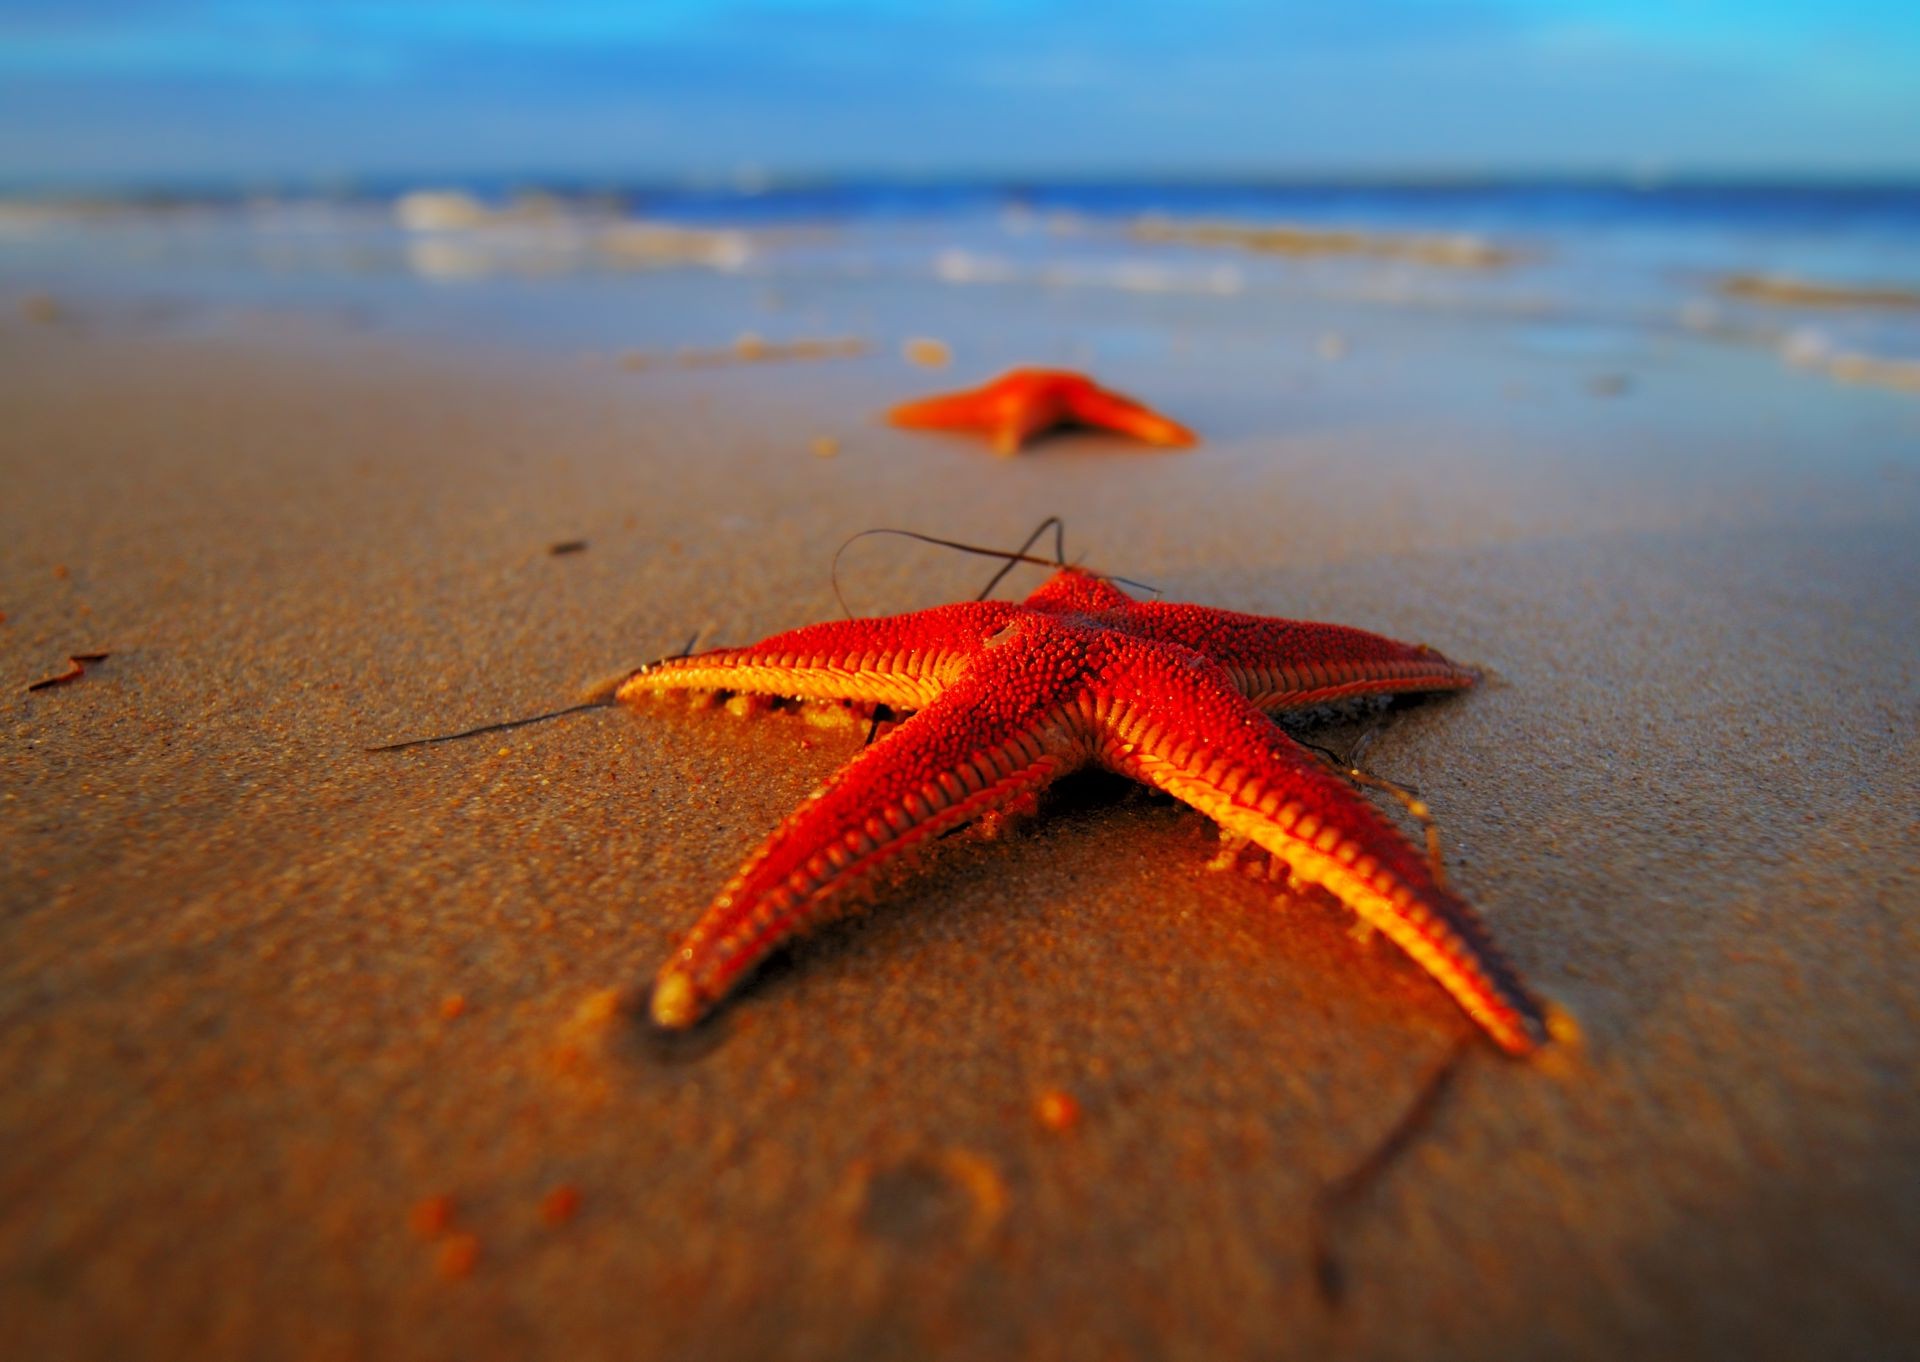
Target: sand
{"points": [[1300, 240], [1786, 291], [306, 1052]]}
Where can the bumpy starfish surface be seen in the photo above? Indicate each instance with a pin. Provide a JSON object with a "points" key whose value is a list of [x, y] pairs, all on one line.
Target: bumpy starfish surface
{"points": [[1019, 405], [1010, 697]]}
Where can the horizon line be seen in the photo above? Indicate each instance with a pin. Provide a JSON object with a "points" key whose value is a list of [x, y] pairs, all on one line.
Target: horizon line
{"points": [[753, 181]]}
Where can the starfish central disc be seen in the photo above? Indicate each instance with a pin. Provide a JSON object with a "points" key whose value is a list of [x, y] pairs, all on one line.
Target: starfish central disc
{"points": [[1009, 697]]}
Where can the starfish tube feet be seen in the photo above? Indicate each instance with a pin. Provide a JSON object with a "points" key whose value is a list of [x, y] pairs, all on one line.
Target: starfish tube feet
{"points": [[904, 661], [979, 748], [1174, 726]]}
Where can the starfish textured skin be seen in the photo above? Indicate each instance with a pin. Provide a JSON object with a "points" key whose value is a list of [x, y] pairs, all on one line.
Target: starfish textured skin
{"points": [[1019, 405], [1009, 697]]}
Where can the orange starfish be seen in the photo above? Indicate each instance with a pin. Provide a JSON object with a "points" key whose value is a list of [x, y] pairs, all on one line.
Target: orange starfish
{"points": [[1010, 697], [1019, 405]]}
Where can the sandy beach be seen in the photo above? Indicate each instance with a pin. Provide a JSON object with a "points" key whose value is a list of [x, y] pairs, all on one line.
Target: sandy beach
{"points": [[264, 996]]}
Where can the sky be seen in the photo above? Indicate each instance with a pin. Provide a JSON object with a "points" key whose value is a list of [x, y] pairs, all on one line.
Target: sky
{"points": [[167, 90]]}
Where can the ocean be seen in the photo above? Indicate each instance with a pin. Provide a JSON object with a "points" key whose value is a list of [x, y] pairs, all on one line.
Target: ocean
{"points": [[1821, 277]]}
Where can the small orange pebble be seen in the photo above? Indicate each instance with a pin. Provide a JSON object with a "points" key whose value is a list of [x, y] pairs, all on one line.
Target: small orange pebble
{"points": [[560, 1205], [60, 571], [927, 352], [1025, 402], [431, 1217], [459, 1255], [453, 1005], [1057, 1110], [598, 1008], [827, 348], [582, 1040], [823, 447]]}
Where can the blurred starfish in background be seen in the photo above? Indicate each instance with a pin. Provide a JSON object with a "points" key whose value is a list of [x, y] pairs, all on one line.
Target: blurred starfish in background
{"points": [[1019, 405], [1010, 697]]}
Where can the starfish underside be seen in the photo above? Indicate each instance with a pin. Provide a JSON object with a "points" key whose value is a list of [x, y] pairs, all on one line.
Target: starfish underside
{"points": [[1017, 406], [1010, 697]]}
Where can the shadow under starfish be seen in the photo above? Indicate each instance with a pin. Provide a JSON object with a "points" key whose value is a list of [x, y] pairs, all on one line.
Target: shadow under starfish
{"points": [[1008, 697]]}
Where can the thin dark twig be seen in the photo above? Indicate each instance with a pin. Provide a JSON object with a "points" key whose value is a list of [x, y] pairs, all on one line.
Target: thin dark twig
{"points": [[1327, 754], [1363, 742], [1059, 528], [1342, 1192], [881, 713], [1408, 795], [1021, 557], [598, 702], [834, 571], [500, 727], [1410, 799]]}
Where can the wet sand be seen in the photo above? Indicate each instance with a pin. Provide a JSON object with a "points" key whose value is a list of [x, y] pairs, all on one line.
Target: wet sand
{"points": [[263, 994], [1786, 291]]}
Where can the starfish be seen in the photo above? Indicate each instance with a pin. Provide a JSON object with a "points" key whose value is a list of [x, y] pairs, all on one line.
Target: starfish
{"points": [[1019, 405], [1008, 697]]}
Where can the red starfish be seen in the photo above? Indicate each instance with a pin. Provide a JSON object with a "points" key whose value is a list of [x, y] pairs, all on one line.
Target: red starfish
{"points": [[1012, 696], [1018, 405]]}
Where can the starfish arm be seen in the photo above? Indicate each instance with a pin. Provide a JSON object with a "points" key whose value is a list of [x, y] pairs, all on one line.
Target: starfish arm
{"points": [[1092, 405], [1294, 664], [901, 660], [949, 411], [987, 741], [1174, 720], [1007, 413]]}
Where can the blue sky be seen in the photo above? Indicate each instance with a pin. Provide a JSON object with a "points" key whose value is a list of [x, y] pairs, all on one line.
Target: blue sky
{"points": [[161, 89]]}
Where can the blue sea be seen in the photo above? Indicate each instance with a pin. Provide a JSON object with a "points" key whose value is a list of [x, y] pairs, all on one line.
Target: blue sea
{"points": [[642, 267]]}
